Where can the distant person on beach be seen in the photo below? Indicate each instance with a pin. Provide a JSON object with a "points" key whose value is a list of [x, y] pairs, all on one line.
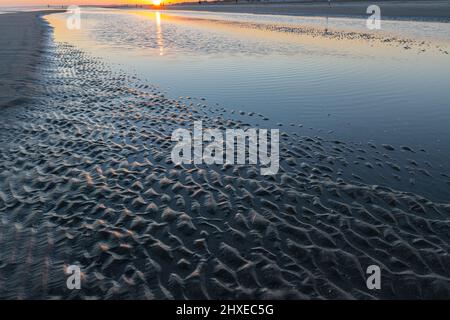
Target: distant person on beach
{"points": [[329, 3]]}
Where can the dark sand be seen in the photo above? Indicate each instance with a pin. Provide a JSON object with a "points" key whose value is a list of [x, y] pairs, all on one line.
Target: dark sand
{"points": [[423, 10], [22, 40], [86, 178]]}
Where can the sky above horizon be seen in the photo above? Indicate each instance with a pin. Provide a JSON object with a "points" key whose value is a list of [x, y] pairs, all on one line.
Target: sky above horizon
{"points": [[16, 3]]}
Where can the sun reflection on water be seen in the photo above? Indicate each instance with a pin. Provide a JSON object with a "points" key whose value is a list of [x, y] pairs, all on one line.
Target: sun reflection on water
{"points": [[159, 35]]}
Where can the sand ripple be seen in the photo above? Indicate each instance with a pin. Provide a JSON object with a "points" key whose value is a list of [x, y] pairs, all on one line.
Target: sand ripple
{"points": [[86, 178]]}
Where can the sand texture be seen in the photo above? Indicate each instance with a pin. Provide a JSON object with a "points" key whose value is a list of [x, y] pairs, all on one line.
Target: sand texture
{"points": [[86, 178], [21, 44]]}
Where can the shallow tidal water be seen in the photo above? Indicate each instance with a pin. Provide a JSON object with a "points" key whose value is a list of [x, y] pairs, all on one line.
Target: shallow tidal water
{"points": [[377, 92]]}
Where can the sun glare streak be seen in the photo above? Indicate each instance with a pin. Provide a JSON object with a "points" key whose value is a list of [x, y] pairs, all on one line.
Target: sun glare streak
{"points": [[159, 36]]}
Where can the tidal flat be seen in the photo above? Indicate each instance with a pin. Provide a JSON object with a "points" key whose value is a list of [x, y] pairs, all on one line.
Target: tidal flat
{"points": [[87, 178]]}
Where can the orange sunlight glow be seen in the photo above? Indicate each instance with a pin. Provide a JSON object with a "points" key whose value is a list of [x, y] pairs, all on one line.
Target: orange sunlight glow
{"points": [[156, 2]]}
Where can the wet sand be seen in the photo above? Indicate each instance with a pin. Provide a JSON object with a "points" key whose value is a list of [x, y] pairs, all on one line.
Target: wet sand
{"points": [[86, 179], [422, 10], [21, 42]]}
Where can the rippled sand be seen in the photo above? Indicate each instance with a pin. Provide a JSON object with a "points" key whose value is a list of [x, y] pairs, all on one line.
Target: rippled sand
{"points": [[86, 178]]}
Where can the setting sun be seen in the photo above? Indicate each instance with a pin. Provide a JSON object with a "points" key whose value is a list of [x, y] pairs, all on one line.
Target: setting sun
{"points": [[156, 2]]}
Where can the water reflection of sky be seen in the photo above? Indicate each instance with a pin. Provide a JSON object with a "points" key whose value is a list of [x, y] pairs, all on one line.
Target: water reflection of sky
{"points": [[360, 91]]}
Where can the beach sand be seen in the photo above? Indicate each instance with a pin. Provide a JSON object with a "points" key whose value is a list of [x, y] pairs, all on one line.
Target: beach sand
{"points": [[22, 40], [423, 10], [86, 179]]}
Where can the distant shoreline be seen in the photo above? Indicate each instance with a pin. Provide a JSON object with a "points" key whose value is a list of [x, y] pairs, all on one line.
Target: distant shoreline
{"points": [[405, 10]]}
